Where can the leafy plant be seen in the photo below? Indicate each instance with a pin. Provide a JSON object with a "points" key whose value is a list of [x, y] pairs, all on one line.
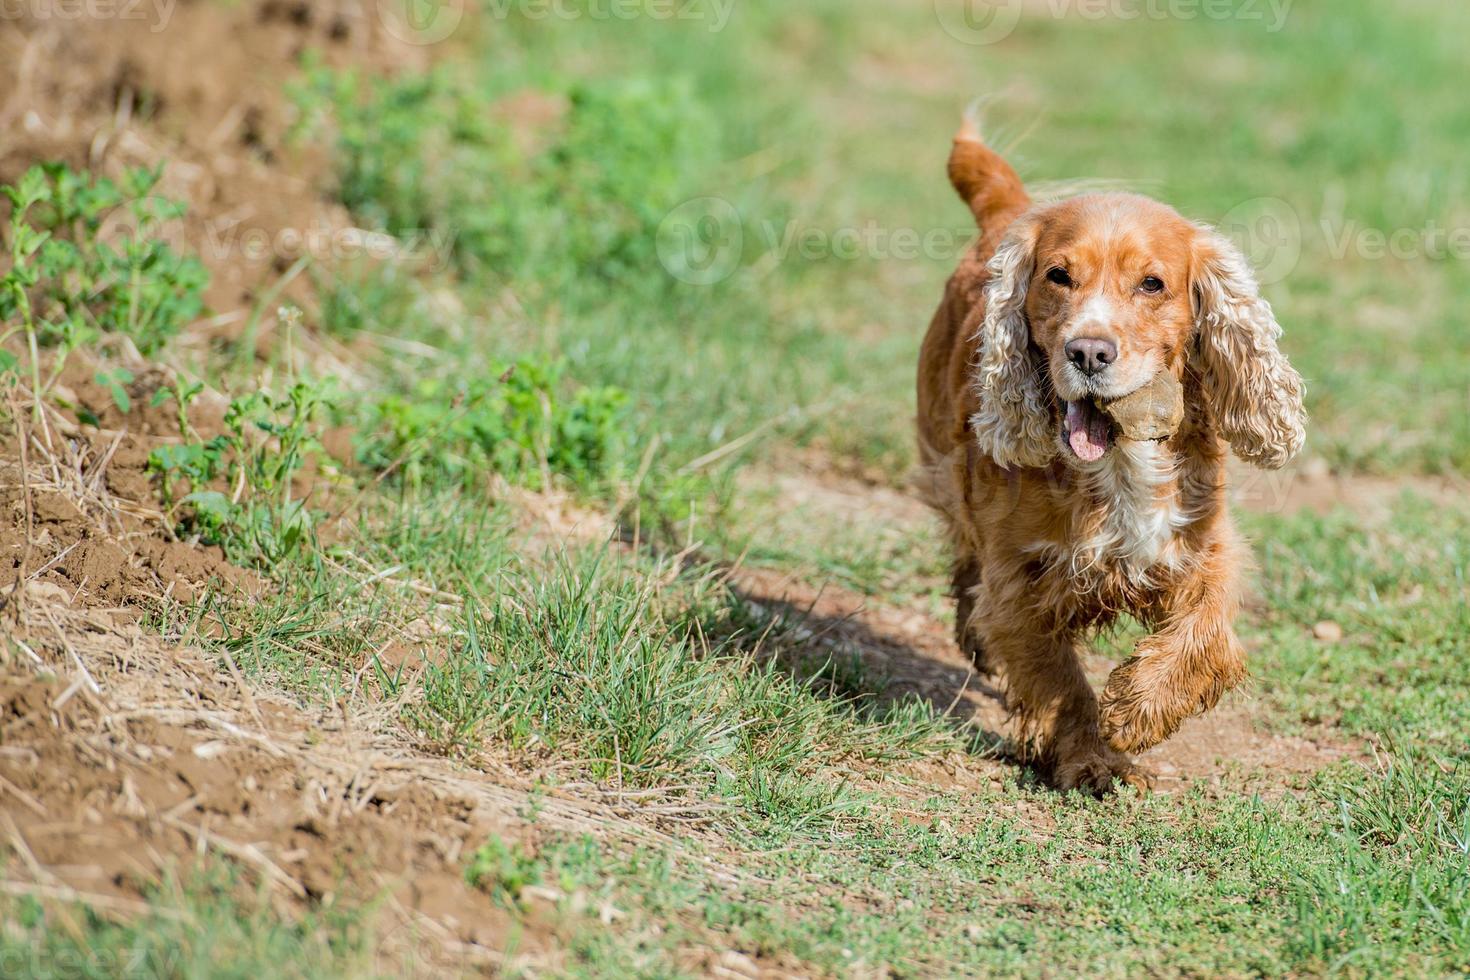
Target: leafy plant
{"points": [[424, 154], [503, 869], [618, 170], [182, 394], [418, 156], [76, 275], [240, 483], [519, 421], [116, 381]]}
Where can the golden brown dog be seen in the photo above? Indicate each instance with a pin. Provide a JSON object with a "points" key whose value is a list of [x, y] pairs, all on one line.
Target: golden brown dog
{"points": [[1059, 522]]}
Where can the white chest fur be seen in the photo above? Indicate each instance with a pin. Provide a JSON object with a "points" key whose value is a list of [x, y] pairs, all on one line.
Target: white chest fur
{"points": [[1133, 528]]}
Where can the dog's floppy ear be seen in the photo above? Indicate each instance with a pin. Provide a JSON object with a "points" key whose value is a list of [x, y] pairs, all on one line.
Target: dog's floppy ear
{"points": [[1254, 394], [1014, 422]]}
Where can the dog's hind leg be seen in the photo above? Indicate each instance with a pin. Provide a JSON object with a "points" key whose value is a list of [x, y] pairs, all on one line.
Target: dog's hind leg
{"points": [[966, 581]]}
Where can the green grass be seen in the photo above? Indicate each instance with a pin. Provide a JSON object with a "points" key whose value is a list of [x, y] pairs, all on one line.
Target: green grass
{"points": [[1362, 870], [1338, 881], [639, 674], [1398, 587], [207, 924], [828, 341]]}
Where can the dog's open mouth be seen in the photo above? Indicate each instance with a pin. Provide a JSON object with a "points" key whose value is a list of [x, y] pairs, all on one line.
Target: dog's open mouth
{"points": [[1087, 430]]}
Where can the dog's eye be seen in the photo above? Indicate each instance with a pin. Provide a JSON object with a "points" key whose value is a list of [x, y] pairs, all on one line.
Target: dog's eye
{"points": [[1152, 284], [1059, 276]]}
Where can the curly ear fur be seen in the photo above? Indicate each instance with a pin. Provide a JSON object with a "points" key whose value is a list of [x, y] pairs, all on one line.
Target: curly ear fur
{"points": [[1014, 422], [1254, 394]]}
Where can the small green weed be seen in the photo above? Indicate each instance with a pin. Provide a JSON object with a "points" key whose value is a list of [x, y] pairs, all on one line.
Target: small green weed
{"points": [[503, 869], [241, 491], [85, 261], [520, 421]]}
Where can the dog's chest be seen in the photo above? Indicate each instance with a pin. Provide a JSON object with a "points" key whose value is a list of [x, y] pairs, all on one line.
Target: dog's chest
{"points": [[1124, 531]]}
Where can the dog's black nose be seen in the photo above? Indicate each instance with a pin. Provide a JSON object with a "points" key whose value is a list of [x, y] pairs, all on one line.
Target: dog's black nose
{"points": [[1091, 354]]}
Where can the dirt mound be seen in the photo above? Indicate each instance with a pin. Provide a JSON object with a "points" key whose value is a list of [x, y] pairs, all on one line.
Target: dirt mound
{"points": [[123, 757], [104, 798], [258, 199], [80, 514]]}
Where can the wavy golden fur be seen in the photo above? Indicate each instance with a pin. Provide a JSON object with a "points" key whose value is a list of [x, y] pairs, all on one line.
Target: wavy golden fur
{"points": [[1056, 533]]}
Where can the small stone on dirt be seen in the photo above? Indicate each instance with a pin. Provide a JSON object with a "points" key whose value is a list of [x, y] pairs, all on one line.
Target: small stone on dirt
{"points": [[1327, 631], [737, 964]]}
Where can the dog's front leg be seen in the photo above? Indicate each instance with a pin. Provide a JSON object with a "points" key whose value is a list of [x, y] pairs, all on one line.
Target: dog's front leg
{"points": [[1180, 670]]}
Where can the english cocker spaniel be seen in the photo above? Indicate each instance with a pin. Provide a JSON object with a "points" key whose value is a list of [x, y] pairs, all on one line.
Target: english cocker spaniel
{"points": [[1060, 519]]}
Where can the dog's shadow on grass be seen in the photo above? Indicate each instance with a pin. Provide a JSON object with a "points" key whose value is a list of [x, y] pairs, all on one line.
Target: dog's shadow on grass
{"points": [[876, 665]]}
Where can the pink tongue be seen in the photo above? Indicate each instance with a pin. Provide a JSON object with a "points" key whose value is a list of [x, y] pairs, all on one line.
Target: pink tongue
{"points": [[1087, 431]]}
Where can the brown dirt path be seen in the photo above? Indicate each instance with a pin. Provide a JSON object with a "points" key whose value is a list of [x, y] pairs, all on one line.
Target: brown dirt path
{"points": [[916, 653]]}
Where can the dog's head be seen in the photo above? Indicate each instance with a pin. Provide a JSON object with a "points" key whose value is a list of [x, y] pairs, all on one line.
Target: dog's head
{"points": [[1091, 298]]}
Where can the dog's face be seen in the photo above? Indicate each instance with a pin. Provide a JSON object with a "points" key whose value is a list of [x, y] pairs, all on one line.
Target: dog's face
{"points": [[1090, 299], [1109, 306]]}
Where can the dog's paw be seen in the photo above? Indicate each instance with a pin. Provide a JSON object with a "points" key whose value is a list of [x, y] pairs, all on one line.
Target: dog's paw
{"points": [[1137, 711], [1097, 769], [971, 647], [1145, 701]]}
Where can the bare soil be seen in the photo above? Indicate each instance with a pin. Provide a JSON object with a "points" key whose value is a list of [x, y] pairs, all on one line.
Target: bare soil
{"points": [[112, 93], [136, 758], [80, 516]]}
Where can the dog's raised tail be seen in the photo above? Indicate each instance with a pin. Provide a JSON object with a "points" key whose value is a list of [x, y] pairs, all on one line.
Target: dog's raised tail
{"points": [[983, 179]]}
